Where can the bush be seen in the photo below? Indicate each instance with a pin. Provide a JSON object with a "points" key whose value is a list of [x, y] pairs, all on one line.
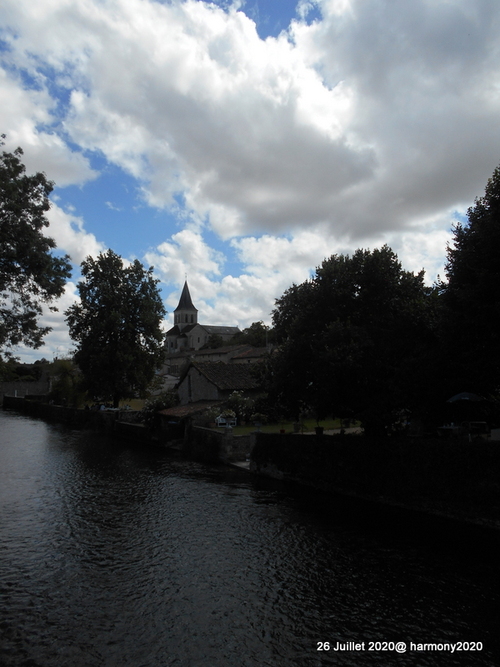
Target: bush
{"points": [[153, 405]]}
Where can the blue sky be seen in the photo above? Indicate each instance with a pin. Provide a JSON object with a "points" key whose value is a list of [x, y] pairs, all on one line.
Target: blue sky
{"points": [[240, 143]]}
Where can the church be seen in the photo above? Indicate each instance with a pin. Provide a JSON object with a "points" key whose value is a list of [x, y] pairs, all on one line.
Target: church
{"points": [[187, 333]]}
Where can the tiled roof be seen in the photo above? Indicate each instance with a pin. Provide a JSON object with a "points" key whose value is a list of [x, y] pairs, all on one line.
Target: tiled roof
{"points": [[189, 409], [226, 376]]}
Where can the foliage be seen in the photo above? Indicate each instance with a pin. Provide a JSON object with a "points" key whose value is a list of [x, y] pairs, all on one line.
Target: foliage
{"points": [[165, 400], [348, 338], [11, 370], [117, 327], [30, 275], [257, 334], [66, 383], [258, 417], [241, 405], [214, 341], [211, 414], [472, 296]]}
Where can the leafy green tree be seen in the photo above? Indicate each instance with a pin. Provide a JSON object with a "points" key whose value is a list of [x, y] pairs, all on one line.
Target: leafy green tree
{"points": [[66, 383], [257, 334], [472, 296], [241, 405], [30, 275], [163, 401], [117, 327], [214, 341], [349, 340]]}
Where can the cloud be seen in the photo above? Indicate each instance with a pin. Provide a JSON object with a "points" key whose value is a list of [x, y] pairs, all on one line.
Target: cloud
{"points": [[268, 266], [365, 121], [70, 236], [22, 113], [188, 98]]}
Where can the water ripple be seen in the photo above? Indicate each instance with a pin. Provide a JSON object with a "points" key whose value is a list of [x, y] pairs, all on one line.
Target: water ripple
{"points": [[114, 556]]}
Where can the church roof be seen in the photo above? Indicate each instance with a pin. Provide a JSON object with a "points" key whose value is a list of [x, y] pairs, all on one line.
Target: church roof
{"points": [[212, 329], [175, 331], [185, 302]]}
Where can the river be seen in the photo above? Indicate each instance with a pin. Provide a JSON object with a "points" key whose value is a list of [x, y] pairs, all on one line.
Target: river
{"points": [[114, 556]]}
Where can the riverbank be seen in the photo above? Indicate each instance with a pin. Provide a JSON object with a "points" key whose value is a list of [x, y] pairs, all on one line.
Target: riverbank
{"points": [[451, 479], [118, 422]]}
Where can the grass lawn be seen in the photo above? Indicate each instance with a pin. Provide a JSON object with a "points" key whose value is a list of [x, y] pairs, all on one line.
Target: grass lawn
{"points": [[308, 425]]}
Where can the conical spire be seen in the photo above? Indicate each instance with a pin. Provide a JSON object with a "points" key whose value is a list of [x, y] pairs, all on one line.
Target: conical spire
{"points": [[185, 302], [185, 313]]}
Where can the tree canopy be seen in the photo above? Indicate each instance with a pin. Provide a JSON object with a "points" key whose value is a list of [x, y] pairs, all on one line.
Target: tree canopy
{"points": [[472, 295], [30, 275], [117, 327], [350, 337], [257, 334]]}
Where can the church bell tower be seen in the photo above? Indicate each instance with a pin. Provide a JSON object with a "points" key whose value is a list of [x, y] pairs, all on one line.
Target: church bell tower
{"points": [[185, 313]]}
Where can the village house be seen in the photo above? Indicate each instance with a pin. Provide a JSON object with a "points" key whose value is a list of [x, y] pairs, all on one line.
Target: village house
{"points": [[215, 381]]}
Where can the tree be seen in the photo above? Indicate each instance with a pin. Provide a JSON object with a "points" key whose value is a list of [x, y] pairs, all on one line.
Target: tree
{"points": [[214, 341], [66, 383], [257, 334], [30, 275], [349, 340], [472, 296], [117, 327]]}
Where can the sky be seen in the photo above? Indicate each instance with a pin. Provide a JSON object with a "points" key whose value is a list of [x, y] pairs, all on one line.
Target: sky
{"points": [[238, 144]]}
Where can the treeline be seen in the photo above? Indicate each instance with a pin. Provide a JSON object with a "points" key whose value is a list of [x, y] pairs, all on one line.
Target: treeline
{"points": [[364, 339]]}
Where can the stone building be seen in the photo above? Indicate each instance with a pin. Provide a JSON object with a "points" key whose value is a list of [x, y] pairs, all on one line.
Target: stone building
{"points": [[187, 333], [215, 381]]}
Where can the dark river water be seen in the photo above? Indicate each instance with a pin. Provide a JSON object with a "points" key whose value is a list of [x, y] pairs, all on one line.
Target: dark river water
{"points": [[112, 555]]}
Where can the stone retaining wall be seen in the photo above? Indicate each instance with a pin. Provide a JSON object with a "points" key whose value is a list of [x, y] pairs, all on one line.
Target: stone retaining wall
{"points": [[32, 388], [217, 445], [106, 421], [455, 478]]}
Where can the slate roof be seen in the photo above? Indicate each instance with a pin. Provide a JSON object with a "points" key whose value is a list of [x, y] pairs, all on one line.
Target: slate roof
{"points": [[185, 302], [225, 376], [211, 329], [175, 331]]}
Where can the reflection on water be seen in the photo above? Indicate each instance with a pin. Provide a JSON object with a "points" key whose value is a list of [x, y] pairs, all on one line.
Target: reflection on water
{"points": [[111, 555]]}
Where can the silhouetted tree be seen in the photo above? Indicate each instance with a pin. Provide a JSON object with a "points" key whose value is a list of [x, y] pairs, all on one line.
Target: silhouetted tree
{"points": [[30, 275], [349, 340], [257, 334], [117, 327], [472, 296]]}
